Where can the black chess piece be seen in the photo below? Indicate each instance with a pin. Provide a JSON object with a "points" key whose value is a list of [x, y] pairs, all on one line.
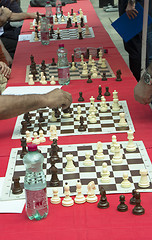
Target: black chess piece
{"points": [[24, 127], [80, 35], [118, 75], [40, 128], [72, 57], [54, 158], [37, 18], [57, 112], [82, 127], [87, 53], [53, 62], [107, 93], [23, 145], [27, 119], [58, 36], [41, 118], [76, 25], [37, 32], [68, 24], [98, 50], [54, 182], [100, 93], [138, 209], [103, 203], [104, 78], [122, 207], [89, 78], [133, 199], [16, 186], [52, 30], [71, 12], [50, 35], [82, 22], [80, 99], [61, 13]]}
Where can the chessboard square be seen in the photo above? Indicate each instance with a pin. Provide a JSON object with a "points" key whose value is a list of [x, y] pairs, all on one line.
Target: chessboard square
{"points": [[85, 175], [123, 129], [67, 131], [125, 190], [119, 180], [86, 180], [98, 163], [71, 182], [19, 162], [142, 189], [108, 187], [94, 130], [133, 156], [112, 181], [70, 175], [120, 167], [108, 129], [136, 167], [70, 172], [19, 173]]}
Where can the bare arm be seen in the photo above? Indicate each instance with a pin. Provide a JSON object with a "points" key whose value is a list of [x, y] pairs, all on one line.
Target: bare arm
{"points": [[143, 91], [7, 55], [130, 10], [12, 106], [21, 16]]}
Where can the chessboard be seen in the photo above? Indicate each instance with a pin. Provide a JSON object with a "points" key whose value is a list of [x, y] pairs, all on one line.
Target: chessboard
{"points": [[107, 122], [66, 34], [132, 163], [74, 75]]}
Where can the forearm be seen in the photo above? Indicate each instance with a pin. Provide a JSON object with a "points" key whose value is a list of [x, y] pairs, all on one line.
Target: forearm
{"points": [[12, 106], [21, 16]]}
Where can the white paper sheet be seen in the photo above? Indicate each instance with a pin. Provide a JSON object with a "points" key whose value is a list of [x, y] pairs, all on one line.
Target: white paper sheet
{"points": [[24, 37]]}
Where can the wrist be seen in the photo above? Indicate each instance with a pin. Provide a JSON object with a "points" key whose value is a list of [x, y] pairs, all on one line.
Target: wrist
{"points": [[131, 2]]}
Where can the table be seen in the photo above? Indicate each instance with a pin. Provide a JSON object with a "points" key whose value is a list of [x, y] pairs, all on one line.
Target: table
{"points": [[86, 221]]}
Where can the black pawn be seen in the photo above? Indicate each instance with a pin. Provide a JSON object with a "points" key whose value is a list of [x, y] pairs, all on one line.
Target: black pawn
{"points": [[54, 182], [118, 75], [68, 23], [100, 93], [23, 145], [41, 118], [122, 207], [103, 203], [104, 78], [76, 24], [133, 199], [24, 127], [16, 187], [80, 35], [80, 99], [53, 62], [89, 79], [81, 128], [58, 36], [107, 93], [138, 209]]}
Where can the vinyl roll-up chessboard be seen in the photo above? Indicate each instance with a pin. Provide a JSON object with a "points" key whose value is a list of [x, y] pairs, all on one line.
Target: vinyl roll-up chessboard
{"points": [[132, 163]]}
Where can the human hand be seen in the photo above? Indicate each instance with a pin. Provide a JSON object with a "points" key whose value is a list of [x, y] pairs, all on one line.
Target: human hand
{"points": [[131, 11], [143, 92], [5, 70], [58, 98]]}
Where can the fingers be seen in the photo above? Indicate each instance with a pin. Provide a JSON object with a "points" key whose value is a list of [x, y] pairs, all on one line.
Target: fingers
{"points": [[132, 13], [5, 70]]}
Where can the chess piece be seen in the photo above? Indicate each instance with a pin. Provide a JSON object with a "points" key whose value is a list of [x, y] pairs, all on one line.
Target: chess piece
{"points": [[70, 165], [99, 155], [85, 70], [27, 119], [23, 145], [55, 199], [117, 158], [115, 94], [87, 162], [82, 22], [28, 137], [105, 174], [53, 118], [53, 132], [52, 82], [80, 33], [41, 118], [54, 182], [79, 113], [103, 64], [66, 113], [107, 93], [31, 82], [118, 75], [67, 201], [80, 198], [73, 68], [92, 117], [100, 93], [114, 141], [58, 34], [82, 60], [54, 158], [133, 199], [43, 81], [122, 207], [87, 31], [138, 209], [104, 78], [103, 203], [41, 138], [100, 57], [125, 183], [115, 106], [16, 186], [91, 197], [122, 122], [36, 139], [90, 60], [57, 112], [82, 127], [103, 105], [53, 62], [89, 78], [144, 182], [131, 147], [80, 99]]}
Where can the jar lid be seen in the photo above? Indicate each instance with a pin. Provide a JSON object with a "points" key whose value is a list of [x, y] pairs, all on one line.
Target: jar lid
{"points": [[32, 147], [61, 45]]}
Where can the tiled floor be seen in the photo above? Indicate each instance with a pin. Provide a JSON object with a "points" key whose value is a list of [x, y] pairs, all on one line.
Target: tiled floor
{"points": [[106, 18]]}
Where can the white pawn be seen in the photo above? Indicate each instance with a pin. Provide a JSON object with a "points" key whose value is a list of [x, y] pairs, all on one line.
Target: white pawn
{"points": [[52, 82], [115, 105], [100, 57], [73, 68], [94, 72], [114, 141], [91, 197], [82, 59], [87, 162], [62, 19], [36, 139], [53, 132], [31, 82], [79, 113], [93, 65], [144, 182], [80, 198], [99, 155], [131, 147], [103, 64], [103, 105], [28, 138], [117, 158], [122, 122], [105, 174], [41, 138], [53, 118], [70, 165], [125, 183], [43, 81], [85, 70], [90, 60], [55, 199], [92, 117], [92, 108], [67, 200], [66, 115]]}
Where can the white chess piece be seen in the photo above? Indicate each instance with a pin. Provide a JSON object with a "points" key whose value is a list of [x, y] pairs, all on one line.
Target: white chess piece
{"points": [[105, 174], [82, 59], [103, 105], [122, 122], [55, 199], [103, 64], [70, 165], [114, 141], [131, 147], [67, 200], [144, 182], [115, 94], [28, 137], [87, 162], [31, 81], [36, 139], [100, 57], [80, 198], [41, 138], [85, 70], [79, 113], [94, 72], [117, 158], [125, 183], [43, 81], [91, 197], [53, 132], [52, 82], [90, 60], [92, 117], [99, 155], [53, 118], [87, 31], [115, 105], [73, 67]]}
